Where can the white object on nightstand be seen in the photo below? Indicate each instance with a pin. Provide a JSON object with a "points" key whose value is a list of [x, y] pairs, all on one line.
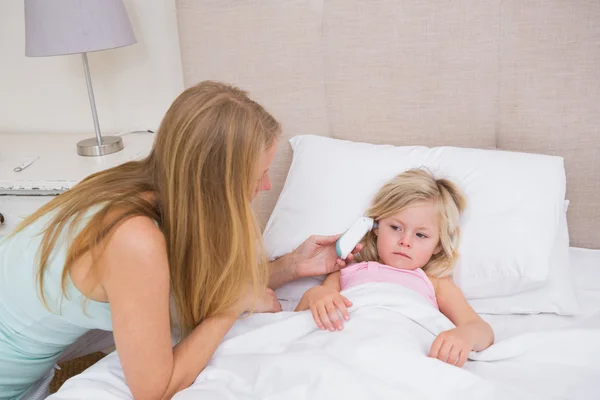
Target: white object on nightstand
{"points": [[58, 169], [25, 164]]}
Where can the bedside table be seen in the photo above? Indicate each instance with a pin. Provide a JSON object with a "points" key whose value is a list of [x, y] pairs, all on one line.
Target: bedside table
{"points": [[57, 169]]}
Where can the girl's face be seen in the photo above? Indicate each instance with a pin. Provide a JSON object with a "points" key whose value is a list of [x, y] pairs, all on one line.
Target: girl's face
{"points": [[408, 239]]}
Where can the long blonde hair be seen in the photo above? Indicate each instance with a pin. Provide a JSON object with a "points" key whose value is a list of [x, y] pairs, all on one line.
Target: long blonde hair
{"points": [[417, 186], [202, 170]]}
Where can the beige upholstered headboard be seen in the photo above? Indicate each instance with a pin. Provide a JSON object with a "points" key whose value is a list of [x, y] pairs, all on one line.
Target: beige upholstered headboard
{"points": [[508, 74]]}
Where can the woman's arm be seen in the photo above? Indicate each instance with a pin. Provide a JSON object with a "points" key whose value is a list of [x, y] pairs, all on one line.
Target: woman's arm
{"points": [[191, 355], [471, 332], [135, 277], [315, 256], [283, 270]]}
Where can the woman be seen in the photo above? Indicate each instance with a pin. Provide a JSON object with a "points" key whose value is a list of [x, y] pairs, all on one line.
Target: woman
{"points": [[111, 252]]}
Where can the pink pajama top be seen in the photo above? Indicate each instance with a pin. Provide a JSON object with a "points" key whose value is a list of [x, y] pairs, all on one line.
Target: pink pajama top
{"points": [[371, 271]]}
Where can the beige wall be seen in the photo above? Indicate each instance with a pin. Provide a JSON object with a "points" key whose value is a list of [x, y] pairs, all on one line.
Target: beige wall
{"points": [[512, 74]]}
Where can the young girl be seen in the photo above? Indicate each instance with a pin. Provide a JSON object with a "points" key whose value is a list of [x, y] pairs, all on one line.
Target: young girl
{"points": [[414, 245]]}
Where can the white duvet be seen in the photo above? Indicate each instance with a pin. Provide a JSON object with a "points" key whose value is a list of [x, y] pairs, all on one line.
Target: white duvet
{"points": [[380, 354]]}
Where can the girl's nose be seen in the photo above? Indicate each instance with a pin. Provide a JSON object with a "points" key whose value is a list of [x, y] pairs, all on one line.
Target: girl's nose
{"points": [[405, 241]]}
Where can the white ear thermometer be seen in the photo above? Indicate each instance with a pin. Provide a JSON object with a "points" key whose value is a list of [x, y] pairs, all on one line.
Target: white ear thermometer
{"points": [[349, 239]]}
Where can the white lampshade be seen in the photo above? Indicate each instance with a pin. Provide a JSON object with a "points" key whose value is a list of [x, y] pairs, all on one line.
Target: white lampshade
{"points": [[55, 27]]}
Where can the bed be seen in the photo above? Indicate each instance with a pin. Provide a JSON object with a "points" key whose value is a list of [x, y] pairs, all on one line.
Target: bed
{"points": [[577, 376], [493, 75]]}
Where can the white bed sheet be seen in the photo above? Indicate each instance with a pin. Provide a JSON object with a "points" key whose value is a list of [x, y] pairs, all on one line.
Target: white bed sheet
{"points": [[574, 376]]}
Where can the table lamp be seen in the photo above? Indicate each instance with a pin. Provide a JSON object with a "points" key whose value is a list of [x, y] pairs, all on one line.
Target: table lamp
{"points": [[58, 27]]}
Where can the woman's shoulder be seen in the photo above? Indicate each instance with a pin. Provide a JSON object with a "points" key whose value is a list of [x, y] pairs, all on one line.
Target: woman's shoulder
{"points": [[136, 242], [137, 246], [138, 233]]}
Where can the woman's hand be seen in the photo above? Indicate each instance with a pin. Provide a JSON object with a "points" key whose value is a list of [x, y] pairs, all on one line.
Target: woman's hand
{"points": [[317, 256], [324, 303], [266, 302], [453, 346]]}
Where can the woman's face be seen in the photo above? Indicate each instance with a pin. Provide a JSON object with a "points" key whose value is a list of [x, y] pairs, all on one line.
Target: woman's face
{"points": [[264, 181]]}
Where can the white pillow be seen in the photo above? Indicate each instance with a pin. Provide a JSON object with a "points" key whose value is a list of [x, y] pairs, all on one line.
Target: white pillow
{"points": [[508, 229], [557, 296]]}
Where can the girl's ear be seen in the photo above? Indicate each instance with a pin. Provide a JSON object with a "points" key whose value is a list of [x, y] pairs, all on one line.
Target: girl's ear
{"points": [[376, 228], [437, 249]]}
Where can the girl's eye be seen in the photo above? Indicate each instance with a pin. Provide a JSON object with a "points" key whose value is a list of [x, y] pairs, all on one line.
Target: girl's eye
{"points": [[422, 236], [395, 228]]}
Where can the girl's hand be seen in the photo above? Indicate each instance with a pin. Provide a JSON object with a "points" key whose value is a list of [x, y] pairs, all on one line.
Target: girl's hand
{"points": [[266, 302], [324, 303], [317, 256], [452, 346]]}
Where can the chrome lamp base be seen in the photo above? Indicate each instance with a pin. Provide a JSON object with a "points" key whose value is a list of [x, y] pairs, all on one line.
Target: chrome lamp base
{"points": [[100, 145], [90, 147]]}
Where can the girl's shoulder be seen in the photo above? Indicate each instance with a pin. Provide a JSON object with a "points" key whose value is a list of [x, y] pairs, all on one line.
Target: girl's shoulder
{"points": [[442, 282], [355, 267]]}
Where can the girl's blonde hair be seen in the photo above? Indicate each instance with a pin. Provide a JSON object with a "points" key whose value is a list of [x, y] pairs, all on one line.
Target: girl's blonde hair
{"points": [[417, 186], [203, 169]]}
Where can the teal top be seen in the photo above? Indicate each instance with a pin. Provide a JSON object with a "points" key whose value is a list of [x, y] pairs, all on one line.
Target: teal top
{"points": [[31, 335]]}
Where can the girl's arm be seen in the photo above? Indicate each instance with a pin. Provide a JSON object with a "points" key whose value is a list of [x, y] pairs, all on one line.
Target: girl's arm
{"points": [[333, 281], [324, 302], [471, 332], [135, 277]]}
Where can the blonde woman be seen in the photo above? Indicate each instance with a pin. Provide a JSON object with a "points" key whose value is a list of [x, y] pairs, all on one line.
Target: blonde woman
{"points": [[110, 253], [415, 245]]}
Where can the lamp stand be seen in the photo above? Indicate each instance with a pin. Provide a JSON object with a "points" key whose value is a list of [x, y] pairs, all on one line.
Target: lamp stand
{"points": [[99, 145]]}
